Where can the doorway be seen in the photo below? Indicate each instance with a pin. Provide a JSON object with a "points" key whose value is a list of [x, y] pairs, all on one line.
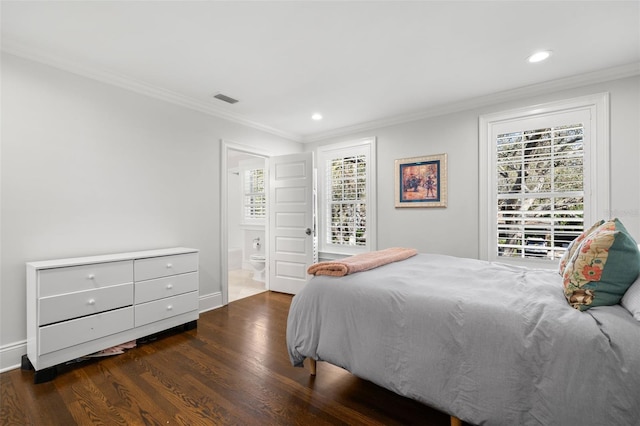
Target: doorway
{"points": [[244, 222]]}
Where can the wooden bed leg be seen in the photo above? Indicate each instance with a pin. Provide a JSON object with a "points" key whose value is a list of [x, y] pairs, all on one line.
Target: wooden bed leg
{"points": [[312, 366], [455, 421]]}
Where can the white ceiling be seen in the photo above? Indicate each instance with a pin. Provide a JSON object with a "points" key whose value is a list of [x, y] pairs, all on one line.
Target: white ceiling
{"points": [[356, 62]]}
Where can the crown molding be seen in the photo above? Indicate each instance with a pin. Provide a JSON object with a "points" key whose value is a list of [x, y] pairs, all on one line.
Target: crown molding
{"points": [[615, 73], [105, 76], [14, 48]]}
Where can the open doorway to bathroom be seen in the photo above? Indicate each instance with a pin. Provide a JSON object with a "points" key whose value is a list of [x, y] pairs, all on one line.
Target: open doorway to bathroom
{"points": [[246, 223]]}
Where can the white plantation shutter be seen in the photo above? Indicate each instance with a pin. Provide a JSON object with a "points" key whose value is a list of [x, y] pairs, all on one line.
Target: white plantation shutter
{"points": [[255, 201], [540, 190], [345, 194], [544, 178], [346, 203]]}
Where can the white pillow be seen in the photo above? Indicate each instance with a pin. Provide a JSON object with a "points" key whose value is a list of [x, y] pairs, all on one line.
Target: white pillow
{"points": [[631, 299]]}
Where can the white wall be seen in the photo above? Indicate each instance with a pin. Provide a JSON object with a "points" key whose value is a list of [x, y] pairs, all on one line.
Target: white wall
{"points": [[454, 230], [234, 210], [88, 168]]}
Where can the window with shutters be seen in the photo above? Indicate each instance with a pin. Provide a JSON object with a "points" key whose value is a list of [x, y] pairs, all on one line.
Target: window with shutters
{"points": [[254, 198], [346, 178], [540, 190], [547, 174]]}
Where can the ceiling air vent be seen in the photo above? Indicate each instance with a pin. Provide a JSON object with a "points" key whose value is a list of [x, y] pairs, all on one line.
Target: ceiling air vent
{"points": [[225, 98]]}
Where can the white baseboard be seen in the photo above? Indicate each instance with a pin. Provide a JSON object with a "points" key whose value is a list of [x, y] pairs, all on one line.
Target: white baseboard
{"points": [[11, 354], [210, 301]]}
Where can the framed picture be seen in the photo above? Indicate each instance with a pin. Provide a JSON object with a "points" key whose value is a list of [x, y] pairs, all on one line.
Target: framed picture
{"points": [[421, 181]]}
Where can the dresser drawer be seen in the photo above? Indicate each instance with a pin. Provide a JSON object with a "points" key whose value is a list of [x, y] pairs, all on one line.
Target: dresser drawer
{"points": [[73, 305], [159, 288], [84, 277], [165, 308], [157, 267], [74, 332]]}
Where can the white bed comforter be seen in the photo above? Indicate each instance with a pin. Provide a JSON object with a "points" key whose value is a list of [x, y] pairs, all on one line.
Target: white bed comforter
{"points": [[489, 343]]}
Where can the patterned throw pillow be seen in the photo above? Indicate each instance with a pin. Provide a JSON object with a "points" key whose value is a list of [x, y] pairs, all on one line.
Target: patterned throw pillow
{"points": [[602, 268], [573, 246]]}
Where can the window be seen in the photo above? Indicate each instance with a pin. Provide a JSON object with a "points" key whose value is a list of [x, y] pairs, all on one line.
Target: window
{"points": [[254, 196], [347, 204], [255, 205], [346, 178], [546, 172], [540, 190]]}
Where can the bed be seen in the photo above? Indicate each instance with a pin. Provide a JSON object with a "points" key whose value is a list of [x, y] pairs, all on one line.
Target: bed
{"points": [[485, 342]]}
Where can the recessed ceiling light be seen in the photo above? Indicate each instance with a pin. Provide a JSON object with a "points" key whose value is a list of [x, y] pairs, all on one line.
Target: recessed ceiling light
{"points": [[316, 116], [539, 56]]}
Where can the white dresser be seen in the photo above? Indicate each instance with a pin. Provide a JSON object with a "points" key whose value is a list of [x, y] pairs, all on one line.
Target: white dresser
{"points": [[79, 306]]}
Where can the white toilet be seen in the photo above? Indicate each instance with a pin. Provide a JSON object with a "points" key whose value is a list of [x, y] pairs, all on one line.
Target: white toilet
{"points": [[257, 262]]}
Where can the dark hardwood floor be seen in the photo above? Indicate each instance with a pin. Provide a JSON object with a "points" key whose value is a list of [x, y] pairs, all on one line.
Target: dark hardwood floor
{"points": [[232, 370]]}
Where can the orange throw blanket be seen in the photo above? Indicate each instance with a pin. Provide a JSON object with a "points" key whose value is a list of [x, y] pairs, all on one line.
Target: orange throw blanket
{"points": [[361, 262]]}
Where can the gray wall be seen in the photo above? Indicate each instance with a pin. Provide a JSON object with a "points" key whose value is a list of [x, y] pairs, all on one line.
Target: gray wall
{"points": [[455, 229], [88, 168]]}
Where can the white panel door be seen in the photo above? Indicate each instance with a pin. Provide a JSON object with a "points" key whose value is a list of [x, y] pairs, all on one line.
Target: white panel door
{"points": [[291, 221]]}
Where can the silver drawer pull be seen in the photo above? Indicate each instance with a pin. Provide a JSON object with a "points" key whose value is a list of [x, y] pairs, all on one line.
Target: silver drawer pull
{"points": [[169, 286], [169, 308], [169, 265], [92, 301], [91, 276]]}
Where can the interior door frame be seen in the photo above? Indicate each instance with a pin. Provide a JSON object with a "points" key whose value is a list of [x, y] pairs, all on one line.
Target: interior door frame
{"points": [[225, 147]]}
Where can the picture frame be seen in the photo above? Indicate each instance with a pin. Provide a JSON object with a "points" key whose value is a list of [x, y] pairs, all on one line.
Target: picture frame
{"points": [[421, 181]]}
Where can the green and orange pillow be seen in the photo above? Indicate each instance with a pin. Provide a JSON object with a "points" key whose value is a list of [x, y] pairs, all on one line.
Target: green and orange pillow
{"points": [[573, 246], [601, 266]]}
